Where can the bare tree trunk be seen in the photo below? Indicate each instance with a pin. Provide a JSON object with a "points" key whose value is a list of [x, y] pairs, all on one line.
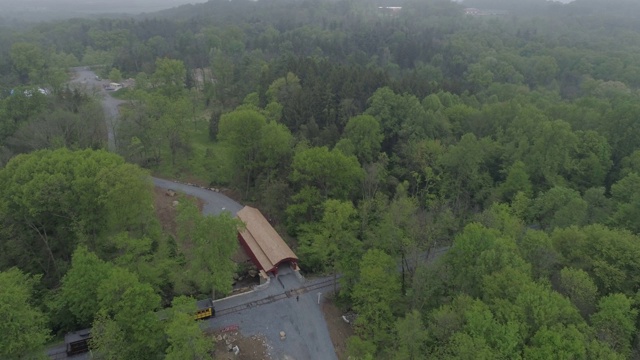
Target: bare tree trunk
{"points": [[45, 240], [246, 192], [403, 271]]}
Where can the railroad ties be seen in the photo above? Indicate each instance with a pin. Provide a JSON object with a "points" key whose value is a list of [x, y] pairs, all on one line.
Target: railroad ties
{"points": [[274, 298], [61, 355]]}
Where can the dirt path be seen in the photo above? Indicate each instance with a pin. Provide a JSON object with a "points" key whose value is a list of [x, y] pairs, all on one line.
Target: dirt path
{"points": [[86, 77]]}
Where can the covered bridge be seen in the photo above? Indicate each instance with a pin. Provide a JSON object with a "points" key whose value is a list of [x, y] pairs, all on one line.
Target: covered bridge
{"points": [[262, 243]]}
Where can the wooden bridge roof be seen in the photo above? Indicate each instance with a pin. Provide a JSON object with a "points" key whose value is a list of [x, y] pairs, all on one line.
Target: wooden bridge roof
{"points": [[268, 248]]}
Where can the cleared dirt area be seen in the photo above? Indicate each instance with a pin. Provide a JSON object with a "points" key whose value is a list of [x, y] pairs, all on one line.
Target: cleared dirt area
{"points": [[250, 348], [339, 330], [166, 211]]}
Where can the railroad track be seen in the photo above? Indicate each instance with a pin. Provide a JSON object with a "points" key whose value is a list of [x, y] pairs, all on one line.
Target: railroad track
{"points": [[59, 355], [312, 287], [62, 355], [273, 298]]}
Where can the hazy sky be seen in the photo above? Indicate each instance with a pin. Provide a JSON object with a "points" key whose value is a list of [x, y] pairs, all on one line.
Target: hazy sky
{"points": [[89, 6], [38, 10]]}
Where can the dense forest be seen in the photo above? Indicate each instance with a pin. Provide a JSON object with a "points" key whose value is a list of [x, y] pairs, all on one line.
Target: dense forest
{"points": [[372, 137]]}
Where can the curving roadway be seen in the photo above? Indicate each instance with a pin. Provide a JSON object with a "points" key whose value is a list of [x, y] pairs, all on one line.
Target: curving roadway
{"points": [[214, 202]]}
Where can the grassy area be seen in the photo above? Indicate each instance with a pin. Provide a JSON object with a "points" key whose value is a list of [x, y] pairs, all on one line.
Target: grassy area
{"points": [[122, 94], [209, 161]]}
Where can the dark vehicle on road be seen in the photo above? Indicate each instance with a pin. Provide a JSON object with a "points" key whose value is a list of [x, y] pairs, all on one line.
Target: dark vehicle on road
{"points": [[77, 342]]}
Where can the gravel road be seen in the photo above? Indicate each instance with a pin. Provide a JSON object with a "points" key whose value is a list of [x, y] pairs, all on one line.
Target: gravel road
{"points": [[214, 202], [302, 320]]}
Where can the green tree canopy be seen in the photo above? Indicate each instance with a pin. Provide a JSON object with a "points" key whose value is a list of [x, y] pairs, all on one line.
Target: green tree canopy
{"points": [[320, 174], [115, 75], [615, 322], [257, 147], [365, 135], [331, 172], [609, 256], [559, 207], [170, 77], [412, 336], [578, 286], [627, 202], [186, 339], [79, 292], [23, 328], [28, 60], [332, 242], [374, 296], [53, 200], [127, 326], [241, 130], [207, 244]]}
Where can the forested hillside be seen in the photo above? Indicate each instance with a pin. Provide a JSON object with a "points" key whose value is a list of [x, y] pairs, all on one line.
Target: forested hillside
{"points": [[371, 137]]}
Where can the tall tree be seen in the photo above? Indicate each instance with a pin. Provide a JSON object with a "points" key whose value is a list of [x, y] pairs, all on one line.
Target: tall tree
{"points": [[28, 61], [241, 130], [186, 340], [609, 256], [257, 147], [128, 327], [615, 322], [320, 174], [399, 232], [331, 172], [466, 254], [207, 244], [466, 168], [412, 336], [517, 180], [23, 327], [54, 199], [401, 116], [364, 135], [170, 77], [332, 242], [558, 342], [559, 207], [275, 149], [577, 285], [627, 202], [115, 75], [79, 292], [375, 296], [107, 338]]}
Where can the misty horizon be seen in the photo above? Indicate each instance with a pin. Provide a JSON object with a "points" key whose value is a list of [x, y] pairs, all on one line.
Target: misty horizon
{"points": [[71, 8]]}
